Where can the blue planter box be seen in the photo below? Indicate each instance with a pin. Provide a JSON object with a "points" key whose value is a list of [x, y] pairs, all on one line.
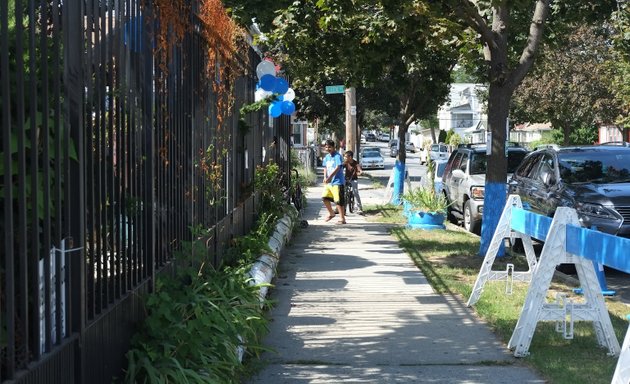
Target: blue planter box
{"points": [[425, 220]]}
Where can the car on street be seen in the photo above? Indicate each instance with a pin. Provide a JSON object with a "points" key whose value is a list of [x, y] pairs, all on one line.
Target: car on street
{"points": [[383, 136], [372, 148], [371, 158], [440, 166], [393, 148], [464, 181], [595, 180], [438, 152], [370, 137]]}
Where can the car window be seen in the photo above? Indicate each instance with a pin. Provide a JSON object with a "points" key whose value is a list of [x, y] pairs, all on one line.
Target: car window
{"points": [[453, 164], [478, 163], [371, 154], [439, 170], [528, 165], [546, 169], [595, 167], [463, 162]]}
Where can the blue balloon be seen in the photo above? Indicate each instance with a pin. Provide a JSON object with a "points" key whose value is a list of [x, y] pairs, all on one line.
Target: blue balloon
{"points": [[275, 109], [281, 86], [268, 82], [287, 107]]}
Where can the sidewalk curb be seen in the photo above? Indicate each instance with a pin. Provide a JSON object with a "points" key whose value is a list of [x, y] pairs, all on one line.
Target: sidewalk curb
{"points": [[264, 268]]}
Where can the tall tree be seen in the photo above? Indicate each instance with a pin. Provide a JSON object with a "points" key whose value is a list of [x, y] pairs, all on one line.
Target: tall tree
{"points": [[399, 46], [509, 34], [621, 63], [570, 83]]}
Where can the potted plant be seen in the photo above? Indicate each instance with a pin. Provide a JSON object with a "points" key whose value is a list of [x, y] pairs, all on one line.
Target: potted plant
{"points": [[424, 207]]}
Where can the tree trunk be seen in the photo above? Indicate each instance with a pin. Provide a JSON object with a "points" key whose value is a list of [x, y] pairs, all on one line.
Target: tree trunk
{"points": [[496, 171], [402, 131], [433, 137], [566, 131], [399, 168]]}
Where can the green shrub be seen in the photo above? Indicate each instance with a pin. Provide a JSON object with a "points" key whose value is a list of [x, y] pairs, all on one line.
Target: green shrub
{"points": [[196, 322]]}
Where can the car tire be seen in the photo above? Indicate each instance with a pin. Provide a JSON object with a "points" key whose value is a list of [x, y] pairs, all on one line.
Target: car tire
{"points": [[449, 211], [470, 223]]}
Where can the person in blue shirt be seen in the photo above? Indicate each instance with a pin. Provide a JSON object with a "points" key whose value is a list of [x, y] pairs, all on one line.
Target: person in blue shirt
{"points": [[334, 181]]}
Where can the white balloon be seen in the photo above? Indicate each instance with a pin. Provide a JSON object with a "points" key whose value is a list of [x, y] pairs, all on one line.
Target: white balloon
{"points": [[261, 94], [289, 95], [265, 68]]}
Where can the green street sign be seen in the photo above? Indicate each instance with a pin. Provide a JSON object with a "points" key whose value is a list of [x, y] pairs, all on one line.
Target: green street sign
{"points": [[331, 89]]}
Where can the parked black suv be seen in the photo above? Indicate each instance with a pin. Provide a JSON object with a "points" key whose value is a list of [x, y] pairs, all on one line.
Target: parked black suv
{"points": [[464, 181], [595, 180]]}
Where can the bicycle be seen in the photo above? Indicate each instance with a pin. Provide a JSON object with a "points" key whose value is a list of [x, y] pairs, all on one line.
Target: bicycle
{"points": [[348, 197], [297, 199]]}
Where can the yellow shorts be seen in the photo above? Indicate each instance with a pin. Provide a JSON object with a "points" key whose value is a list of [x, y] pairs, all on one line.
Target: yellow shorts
{"points": [[333, 193]]}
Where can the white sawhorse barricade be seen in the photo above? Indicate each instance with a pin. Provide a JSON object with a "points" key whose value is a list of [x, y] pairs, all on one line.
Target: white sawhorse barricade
{"points": [[566, 242]]}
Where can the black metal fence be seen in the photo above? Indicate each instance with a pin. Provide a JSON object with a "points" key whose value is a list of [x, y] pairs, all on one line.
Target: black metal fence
{"points": [[109, 155]]}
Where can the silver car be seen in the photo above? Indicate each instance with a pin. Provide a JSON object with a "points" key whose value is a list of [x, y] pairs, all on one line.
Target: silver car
{"points": [[371, 159], [464, 180]]}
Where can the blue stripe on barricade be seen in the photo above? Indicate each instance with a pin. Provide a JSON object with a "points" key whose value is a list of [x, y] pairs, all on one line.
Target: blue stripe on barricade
{"points": [[600, 247], [531, 224]]}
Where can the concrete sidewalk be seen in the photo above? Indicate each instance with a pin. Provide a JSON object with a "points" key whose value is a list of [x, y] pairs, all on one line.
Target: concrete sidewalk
{"points": [[352, 308]]}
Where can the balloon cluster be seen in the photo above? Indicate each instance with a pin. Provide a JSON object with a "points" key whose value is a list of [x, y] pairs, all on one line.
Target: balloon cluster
{"points": [[269, 84]]}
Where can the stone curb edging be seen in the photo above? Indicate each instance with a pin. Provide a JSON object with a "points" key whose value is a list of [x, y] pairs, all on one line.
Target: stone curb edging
{"points": [[263, 269]]}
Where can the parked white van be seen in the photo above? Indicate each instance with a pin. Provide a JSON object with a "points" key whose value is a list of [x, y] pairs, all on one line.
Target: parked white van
{"points": [[438, 152]]}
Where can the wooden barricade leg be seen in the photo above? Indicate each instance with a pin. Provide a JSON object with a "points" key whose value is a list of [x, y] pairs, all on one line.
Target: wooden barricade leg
{"points": [[503, 231], [622, 371], [537, 292], [537, 309]]}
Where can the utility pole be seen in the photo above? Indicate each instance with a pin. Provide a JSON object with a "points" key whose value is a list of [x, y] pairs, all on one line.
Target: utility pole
{"points": [[351, 118]]}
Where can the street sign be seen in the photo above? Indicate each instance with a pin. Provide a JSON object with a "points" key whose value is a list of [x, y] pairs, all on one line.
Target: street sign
{"points": [[331, 89]]}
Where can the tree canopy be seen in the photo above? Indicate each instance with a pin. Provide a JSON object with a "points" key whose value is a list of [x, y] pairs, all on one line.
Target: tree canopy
{"points": [[399, 49], [570, 84]]}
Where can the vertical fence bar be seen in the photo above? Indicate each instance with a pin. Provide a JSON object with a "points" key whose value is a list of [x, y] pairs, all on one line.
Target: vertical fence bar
{"points": [[33, 172], [45, 134], [91, 221], [59, 161], [22, 298], [8, 282], [73, 36], [114, 222], [149, 166]]}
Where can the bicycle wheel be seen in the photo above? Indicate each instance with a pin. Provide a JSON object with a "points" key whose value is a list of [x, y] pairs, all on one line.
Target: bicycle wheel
{"points": [[349, 198], [297, 198]]}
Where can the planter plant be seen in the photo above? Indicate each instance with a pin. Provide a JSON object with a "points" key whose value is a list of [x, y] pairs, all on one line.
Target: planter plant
{"points": [[424, 207]]}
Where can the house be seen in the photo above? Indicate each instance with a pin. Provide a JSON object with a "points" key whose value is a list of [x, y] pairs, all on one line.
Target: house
{"points": [[529, 132], [301, 133], [609, 133], [464, 113]]}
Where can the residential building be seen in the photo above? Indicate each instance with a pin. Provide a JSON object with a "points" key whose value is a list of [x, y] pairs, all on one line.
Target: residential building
{"points": [[464, 113], [529, 132], [608, 133]]}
